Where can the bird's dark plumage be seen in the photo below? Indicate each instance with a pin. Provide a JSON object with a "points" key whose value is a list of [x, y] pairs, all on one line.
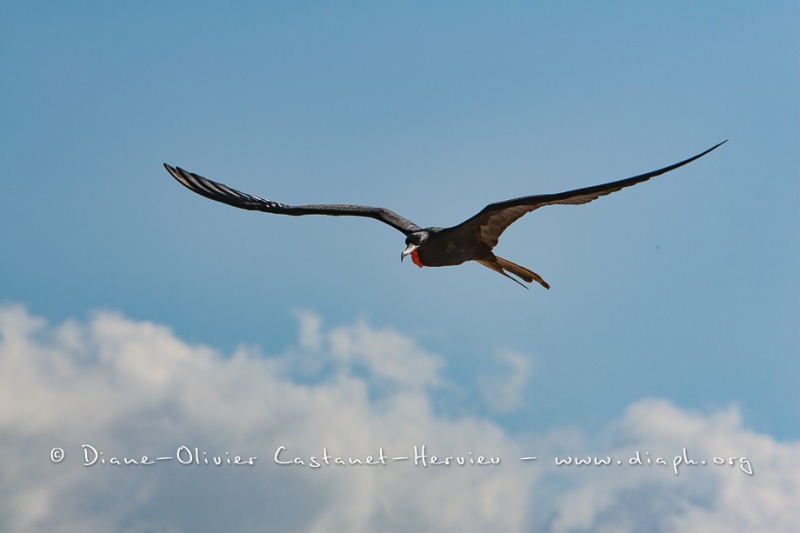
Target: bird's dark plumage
{"points": [[472, 240], [226, 195]]}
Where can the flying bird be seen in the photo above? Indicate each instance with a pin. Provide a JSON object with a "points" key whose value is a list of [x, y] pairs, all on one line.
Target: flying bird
{"points": [[472, 240]]}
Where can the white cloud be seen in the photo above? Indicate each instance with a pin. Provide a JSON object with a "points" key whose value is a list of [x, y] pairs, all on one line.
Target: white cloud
{"points": [[132, 388], [503, 391], [750, 490]]}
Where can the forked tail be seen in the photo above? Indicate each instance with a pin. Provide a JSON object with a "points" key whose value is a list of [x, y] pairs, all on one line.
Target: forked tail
{"points": [[504, 266]]}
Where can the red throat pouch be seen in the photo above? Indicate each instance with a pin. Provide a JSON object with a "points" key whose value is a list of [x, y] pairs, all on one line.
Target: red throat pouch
{"points": [[415, 258]]}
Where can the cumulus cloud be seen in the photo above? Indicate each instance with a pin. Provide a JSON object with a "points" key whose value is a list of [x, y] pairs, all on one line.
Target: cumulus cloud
{"points": [[503, 391], [130, 388], [680, 471]]}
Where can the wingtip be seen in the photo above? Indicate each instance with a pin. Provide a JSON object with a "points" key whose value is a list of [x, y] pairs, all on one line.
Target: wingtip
{"points": [[698, 156], [175, 172], [715, 147]]}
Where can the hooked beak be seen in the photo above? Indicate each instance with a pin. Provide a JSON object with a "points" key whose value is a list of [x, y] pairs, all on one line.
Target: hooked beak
{"points": [[409, 249]]}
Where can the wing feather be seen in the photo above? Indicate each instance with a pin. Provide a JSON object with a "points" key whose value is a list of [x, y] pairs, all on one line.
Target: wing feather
{"points": [[222, 193], [493, 219]]}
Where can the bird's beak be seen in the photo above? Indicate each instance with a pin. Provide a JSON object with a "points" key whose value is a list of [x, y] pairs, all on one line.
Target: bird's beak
{"points": [[410, 248]]}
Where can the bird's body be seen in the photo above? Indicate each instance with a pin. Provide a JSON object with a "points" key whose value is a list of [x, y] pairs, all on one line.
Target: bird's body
{"points": [[450, 248], [472, 240]]}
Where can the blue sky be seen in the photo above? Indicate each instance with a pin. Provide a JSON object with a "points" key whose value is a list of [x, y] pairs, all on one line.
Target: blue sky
{"points": [[681, 290]]}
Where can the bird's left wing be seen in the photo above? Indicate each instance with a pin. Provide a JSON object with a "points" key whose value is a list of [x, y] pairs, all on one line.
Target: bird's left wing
{"points": [[226, 195], [493, 219]]}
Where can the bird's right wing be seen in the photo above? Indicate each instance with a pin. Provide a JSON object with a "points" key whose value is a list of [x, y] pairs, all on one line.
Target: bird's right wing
{"points": [[222, 193]]}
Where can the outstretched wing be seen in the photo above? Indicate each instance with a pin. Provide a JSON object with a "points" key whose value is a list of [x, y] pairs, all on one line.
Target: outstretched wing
{"points": [[226, 195], [493, 219]]}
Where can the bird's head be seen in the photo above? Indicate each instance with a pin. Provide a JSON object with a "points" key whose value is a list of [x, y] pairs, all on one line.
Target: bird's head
{"points": [[413, 242]]}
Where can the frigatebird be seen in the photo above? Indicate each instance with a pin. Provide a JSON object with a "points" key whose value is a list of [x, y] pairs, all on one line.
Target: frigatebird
{"points": [[472, 240]]}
